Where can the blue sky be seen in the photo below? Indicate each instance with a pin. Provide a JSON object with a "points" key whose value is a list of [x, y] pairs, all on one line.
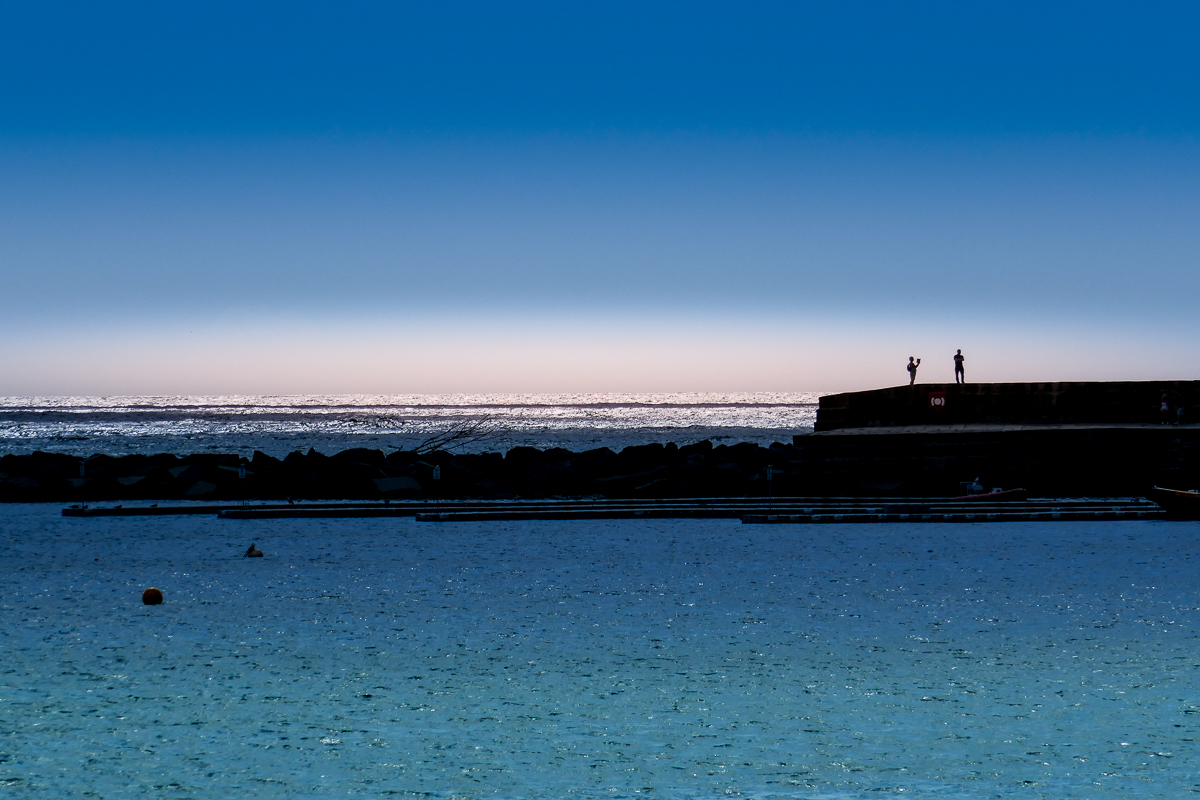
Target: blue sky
{"points": [[319, 197]]}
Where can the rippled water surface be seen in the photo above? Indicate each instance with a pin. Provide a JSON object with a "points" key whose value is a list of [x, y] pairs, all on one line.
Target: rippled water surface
{"points": [[279, 425], [669, 659]]}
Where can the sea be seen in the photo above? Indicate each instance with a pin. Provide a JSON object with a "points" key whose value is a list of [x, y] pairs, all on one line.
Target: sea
{"points": [[331, 423], [674, 659], [681, 659]]}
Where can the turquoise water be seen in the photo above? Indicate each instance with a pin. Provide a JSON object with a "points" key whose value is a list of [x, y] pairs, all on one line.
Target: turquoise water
{"points": [[667, 659]]}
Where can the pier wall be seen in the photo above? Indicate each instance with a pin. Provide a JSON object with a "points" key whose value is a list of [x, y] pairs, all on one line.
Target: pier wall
{"points": [[1072, 403], [1048, 462], [1052, 439]]}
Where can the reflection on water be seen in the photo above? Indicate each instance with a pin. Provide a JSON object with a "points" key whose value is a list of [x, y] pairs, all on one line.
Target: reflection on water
{"points": [[278, 425]]}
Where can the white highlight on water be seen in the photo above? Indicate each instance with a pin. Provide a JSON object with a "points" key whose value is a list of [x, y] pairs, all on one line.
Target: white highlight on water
{"points": [[278, 425]]}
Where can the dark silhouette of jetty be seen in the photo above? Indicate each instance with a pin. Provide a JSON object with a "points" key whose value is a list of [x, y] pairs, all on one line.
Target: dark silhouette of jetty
{"points": [[942, 404], [925, 441], [1054, 439]]}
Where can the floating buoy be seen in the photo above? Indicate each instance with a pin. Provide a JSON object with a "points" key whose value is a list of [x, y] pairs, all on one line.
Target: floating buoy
{"points": [[152, 597], [254, 552]]}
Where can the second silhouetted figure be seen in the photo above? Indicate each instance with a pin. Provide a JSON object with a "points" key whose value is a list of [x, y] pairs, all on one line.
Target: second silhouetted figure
{"points": [[960, 376]]}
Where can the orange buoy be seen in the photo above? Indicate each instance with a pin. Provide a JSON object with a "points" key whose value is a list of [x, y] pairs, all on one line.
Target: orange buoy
{"points": [[152, 596]]}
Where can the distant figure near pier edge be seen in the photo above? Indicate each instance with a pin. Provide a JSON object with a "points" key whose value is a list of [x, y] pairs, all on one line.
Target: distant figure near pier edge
{"points": [[912, 370], [960, 375]]}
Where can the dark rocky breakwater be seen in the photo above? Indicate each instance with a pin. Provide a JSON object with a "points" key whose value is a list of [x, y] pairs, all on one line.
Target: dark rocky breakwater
{"points": [[1053, 439], [652, 470], [1049, 462]]}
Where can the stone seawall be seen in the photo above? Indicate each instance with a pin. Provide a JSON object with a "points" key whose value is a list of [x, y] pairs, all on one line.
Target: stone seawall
{"points": [[1047, 461], [1115, 402], [649, 471], [1053, 439], [1066, 461]]}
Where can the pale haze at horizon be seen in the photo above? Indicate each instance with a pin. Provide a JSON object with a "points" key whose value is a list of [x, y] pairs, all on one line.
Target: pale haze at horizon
{"points": [[701, 198]]}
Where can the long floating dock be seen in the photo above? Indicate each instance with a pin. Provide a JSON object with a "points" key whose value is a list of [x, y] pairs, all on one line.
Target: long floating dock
{"points": [[780, 510], [1009, 512], [826, 511], [528, 509], [157, 510]]}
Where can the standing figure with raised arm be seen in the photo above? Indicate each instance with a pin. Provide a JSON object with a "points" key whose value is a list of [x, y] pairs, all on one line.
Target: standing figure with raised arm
{"points": [[912, 370], [960, 376]]}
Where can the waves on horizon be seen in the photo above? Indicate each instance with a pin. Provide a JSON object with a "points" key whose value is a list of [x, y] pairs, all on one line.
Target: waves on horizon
{"points": [[498, 400], [279, 424]]}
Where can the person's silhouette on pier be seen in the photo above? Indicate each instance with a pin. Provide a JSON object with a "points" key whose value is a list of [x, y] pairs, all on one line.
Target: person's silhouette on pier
{"points": [[912, 370], [960, 375]]}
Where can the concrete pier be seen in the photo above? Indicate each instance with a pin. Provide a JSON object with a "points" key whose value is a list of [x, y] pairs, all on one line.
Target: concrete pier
{"points": [[1053, 439], [929, 440], [1065, 403]]}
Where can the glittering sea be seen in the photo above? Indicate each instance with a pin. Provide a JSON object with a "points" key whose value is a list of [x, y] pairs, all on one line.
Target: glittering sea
{"points": [[279, 425], [597, 659]]}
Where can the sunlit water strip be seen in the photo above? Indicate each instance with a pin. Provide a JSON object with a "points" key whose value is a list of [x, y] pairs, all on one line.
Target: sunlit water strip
{"points": [[279, 425]]}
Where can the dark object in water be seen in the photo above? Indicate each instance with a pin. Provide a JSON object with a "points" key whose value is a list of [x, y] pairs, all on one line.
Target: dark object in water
{"points": [[254, 552], [152, 597], [1177, 503], [994, 497]]}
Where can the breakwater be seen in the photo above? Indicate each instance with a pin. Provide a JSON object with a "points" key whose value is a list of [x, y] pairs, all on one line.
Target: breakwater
{"points": [[1047, 461], [1054, 440], [652, 470], [1057, 403]]}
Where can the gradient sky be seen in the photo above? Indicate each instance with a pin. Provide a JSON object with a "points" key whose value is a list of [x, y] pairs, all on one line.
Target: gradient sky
{"points": [[371, 197]]}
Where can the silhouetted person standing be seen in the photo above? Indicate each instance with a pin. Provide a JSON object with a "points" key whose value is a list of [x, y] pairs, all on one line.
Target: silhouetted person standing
{"points": [[960, 376], [912, 370]]}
